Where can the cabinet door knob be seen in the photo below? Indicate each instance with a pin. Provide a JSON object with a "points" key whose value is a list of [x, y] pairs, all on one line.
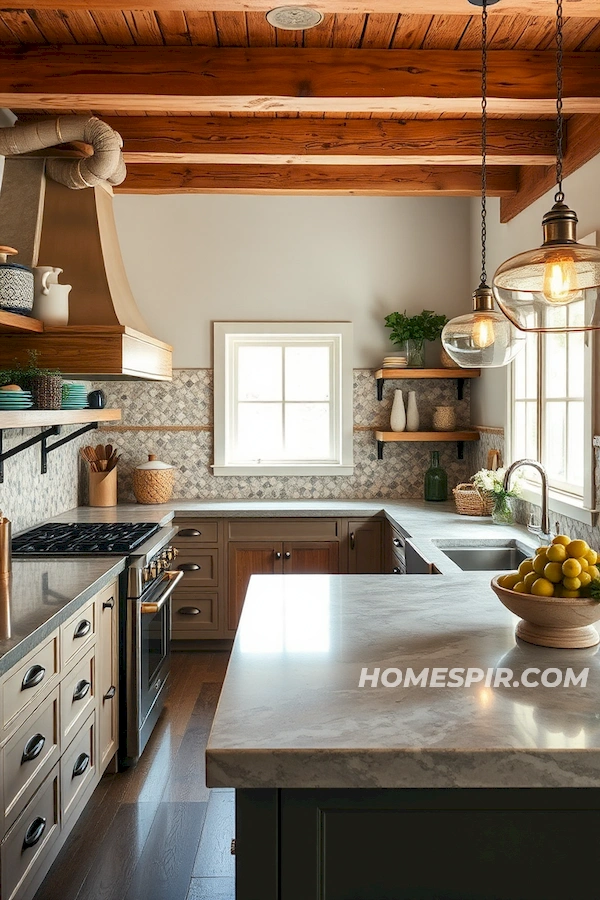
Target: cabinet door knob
{"points": [[84, 627], [287, 554], [81, 764], [109, 604], [277, 554], [110, 693], [189, 532], [352, 540], [398, 543], [33, 677], [34, 832], [188, 567], [33, 748], [397, 570], [81, 689]]}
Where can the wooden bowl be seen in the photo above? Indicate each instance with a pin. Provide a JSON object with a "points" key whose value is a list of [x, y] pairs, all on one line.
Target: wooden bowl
{"points": [[565, 622]]}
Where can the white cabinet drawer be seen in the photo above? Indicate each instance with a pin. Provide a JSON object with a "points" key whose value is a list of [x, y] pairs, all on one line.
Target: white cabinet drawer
{"points": [[29, 755], [30, 681], [77, 696], [196, 531], [78, 767], [200, 567], [193, 614], [78, 632]]}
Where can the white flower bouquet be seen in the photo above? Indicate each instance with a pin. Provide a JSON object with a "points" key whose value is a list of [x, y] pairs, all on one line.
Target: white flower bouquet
{"points": [[491, 481]]}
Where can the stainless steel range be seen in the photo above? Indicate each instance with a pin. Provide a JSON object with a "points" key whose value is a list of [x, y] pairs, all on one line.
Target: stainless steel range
{"points": [[145, 610]]}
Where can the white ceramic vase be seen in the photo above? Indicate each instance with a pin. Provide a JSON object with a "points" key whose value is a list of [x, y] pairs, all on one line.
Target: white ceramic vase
{"points": [[412, 412], [398, 416]]}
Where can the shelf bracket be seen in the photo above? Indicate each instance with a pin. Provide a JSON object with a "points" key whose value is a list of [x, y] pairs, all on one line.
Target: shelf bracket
{"points": [[380, 449], [24, 445], [460, 388], [460, 449], [380, 388], [46, 449]]}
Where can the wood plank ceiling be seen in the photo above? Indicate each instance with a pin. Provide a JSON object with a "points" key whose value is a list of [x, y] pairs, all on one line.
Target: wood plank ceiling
{"points": [[210, 98]]}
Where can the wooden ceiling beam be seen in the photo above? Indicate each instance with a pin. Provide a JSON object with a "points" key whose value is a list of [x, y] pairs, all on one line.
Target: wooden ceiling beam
{"points": [[451, 181], [218, 139], [583, 134], [186, 79], [579, 8]]}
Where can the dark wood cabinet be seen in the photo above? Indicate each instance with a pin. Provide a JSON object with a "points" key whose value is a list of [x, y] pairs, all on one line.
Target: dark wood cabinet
{"points": [[311, 558], [365, 546]]}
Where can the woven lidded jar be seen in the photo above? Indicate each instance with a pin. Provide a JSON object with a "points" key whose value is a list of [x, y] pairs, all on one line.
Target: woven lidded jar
{"points": [[153, 481]]}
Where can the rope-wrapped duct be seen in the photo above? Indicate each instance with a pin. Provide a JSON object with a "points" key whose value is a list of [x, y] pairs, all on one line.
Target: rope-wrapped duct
{"points": [[106, 164]]}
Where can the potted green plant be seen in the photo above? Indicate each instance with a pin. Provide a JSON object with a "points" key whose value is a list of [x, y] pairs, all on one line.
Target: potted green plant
{"points": [[44, 384], [411, 332]]}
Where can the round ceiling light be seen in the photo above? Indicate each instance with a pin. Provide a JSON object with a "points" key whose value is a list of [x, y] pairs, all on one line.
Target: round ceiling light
{"points": [[294, 18]]}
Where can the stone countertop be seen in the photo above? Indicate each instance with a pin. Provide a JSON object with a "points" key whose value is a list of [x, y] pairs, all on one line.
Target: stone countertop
{"points": [[41, 594], [424, 522], [292, 714]]}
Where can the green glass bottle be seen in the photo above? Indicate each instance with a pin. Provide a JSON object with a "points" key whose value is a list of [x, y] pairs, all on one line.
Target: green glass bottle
{"points": [[436, 480]]}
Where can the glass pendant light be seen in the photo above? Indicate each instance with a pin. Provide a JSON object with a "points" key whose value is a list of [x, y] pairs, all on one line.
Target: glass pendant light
{"points": [[483, 338], [557, 286]]}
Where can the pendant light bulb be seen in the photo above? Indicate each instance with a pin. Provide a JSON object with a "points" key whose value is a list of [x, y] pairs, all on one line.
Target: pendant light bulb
{"points": [[560, 280], [483, 332]]}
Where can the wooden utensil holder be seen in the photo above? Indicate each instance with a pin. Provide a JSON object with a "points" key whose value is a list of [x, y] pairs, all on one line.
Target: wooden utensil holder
{"points": [[103, 488]]}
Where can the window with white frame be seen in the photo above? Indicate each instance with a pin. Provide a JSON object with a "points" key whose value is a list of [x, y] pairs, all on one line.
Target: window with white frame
{"points": [[283, 398], [552, 410]]}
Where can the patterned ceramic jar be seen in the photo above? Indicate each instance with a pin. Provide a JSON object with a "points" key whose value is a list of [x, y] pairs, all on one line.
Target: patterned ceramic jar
{"points": [[16, 284], [444, 418]]}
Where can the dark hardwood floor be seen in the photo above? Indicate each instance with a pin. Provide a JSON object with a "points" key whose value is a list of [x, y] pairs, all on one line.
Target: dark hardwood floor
{"points": [[156, 832]]}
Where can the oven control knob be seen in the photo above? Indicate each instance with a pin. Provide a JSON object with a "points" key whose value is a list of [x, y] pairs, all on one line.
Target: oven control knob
{"points": [[154, 569], [146, 575], [174, 552]]}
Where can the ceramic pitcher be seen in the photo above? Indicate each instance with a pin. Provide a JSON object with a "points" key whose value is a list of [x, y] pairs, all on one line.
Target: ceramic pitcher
{"points": [[43, 276], [52, 305]]}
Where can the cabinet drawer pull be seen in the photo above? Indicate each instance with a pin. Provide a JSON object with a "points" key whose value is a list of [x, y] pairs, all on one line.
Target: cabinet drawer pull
{"points": [[81, 689], [189, 611], [277, 554], [397, 570], [287, 554], [189, 567], [33, 677], [189, 532], [398, 543], [33, 748], [110, 693], [352, 540], [109, 604], [81, 764], [83, 628], [34, 832]]}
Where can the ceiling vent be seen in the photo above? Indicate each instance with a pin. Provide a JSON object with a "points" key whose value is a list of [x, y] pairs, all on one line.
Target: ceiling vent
{"points": [[294, 18]]}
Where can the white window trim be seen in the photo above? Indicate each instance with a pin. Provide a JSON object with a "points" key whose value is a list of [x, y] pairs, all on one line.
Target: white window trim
{"points": [[341, 333]]}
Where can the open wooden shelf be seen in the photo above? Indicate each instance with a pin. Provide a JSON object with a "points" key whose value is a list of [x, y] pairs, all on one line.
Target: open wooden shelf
{"points": [[392, 437], [34, 418], [11, 323], [395, 374]]}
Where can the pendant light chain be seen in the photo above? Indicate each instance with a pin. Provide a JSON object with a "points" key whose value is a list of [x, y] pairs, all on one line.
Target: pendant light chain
{"points": [[559, 196], [484, 139]]}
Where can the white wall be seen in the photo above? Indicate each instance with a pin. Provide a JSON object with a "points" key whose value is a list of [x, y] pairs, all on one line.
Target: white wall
{"points": [[524, 232], [193, 259]]}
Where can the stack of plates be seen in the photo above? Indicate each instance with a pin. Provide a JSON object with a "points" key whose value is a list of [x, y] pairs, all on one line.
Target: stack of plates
{"points": [[15, 400], [394, 362], [74, 396]]}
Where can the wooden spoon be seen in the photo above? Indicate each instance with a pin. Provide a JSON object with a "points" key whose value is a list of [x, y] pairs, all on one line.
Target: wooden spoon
{"points": [[100, 451]]}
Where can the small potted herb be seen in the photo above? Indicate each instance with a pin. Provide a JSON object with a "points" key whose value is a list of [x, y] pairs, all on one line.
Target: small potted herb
{"points": [[44, 384], [411, 332]]}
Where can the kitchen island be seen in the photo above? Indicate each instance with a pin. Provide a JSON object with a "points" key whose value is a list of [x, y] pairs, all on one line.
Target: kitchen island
{"points": [[344, 792]]}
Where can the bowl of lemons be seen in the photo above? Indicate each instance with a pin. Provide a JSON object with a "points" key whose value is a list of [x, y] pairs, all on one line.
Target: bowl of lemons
{"points": [[556, 594]]}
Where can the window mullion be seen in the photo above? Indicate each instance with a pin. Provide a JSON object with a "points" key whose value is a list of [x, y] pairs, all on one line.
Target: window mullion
{"points": [[541, 397]]}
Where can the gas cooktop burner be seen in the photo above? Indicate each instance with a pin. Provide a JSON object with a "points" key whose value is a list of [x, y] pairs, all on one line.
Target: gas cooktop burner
{"points": [[73, 538]]}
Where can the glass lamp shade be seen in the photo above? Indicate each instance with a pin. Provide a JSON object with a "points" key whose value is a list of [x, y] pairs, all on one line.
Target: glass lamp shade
{"points": [[555, 287], [483, 338]]}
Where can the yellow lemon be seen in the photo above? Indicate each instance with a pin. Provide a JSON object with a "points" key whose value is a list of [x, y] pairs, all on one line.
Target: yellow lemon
{"points": [[525, 567], [571, 568], [520, 588], [585, 579], [529, 579], [561, 539], [572, 584], [583, 563], [594, 573], [542, 588], [566, 593], [542, 550], [556, 553], [540, 563], [507, 581], [553, 572], [577, 548], [592, 557]]}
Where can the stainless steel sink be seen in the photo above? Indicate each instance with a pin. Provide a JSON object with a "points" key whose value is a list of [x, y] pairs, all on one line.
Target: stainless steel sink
{"points": [[483, 557]]}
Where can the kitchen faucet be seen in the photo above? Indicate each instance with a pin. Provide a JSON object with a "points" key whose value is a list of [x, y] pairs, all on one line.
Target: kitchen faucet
{"points": [[543, 530]]}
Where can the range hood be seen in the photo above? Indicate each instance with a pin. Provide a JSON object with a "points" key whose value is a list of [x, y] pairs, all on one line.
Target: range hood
{"points": [[51, 224]]}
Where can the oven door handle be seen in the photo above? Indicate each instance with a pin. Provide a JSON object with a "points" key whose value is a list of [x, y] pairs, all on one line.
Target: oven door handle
{"points": [[151, 608]]}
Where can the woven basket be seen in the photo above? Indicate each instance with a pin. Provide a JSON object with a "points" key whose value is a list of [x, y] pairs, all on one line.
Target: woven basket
{"points": [[470, 501], [153, 485], [47, 391]]}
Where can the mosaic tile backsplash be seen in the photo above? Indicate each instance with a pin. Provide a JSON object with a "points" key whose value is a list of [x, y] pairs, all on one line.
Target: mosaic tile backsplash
{"points": [[187, 401]]}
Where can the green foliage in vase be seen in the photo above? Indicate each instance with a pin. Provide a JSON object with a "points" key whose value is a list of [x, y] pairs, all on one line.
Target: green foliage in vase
{"points": [[426, 326], [24, 374]]}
